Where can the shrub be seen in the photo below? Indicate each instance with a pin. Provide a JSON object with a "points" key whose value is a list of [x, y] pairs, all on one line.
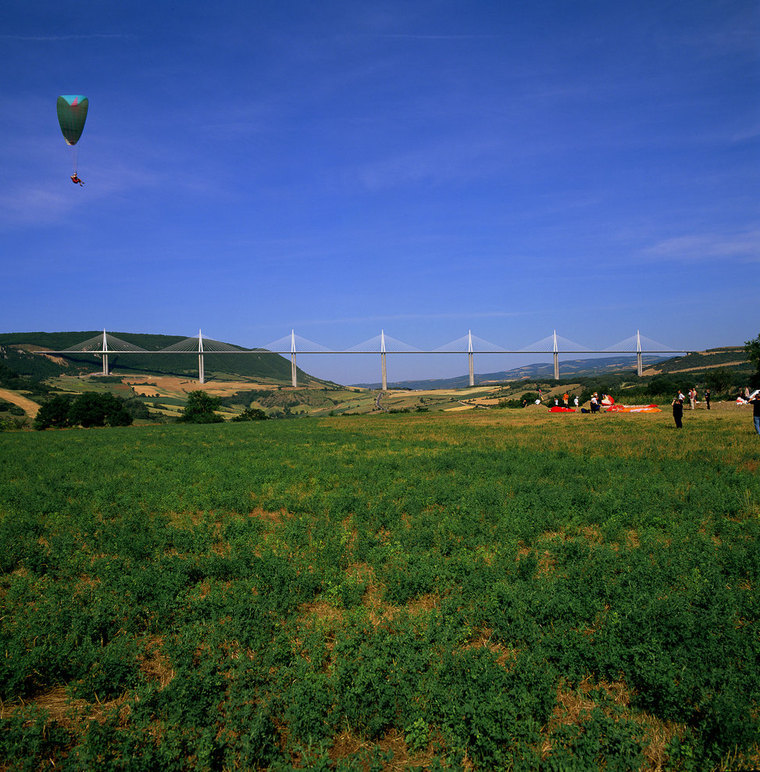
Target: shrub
{"points": [[251, 414], [91, 409], [200, 408], [662, 384], [719, 381], [54, 412]]}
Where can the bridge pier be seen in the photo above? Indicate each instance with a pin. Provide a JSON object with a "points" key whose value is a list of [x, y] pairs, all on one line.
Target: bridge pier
{"points": [[383, 367], [556, 358], [293, 369], [105, 352], [201, 371], [470, 358]]}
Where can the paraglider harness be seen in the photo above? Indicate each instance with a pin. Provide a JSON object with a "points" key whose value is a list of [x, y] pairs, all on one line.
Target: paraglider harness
{"points": [[76, 179]]}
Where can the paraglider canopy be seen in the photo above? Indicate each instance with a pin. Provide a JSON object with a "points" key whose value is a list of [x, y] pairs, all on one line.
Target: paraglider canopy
{"points": [[72, 113]]}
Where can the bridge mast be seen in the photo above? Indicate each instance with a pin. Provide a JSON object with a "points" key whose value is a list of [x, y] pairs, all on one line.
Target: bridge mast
{"points": [[556, 358], [201, 373], [470, 358], [382, 360], [105, 353], [639, 364], [293, 371]]}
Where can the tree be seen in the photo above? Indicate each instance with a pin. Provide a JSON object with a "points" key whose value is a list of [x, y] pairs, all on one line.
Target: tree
{"points": [[662, 385], [136, 408], [54, 412], [752, 350], [93, 409], [719, 380], [199, 408], [251, 414], [87, 409]]}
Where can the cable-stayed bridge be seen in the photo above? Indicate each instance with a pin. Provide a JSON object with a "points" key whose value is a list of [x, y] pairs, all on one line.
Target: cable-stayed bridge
{"points": [[382, 345]]}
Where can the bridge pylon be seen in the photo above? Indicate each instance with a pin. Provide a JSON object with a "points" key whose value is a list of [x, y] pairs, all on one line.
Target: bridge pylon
{"points": [[104, 354]]}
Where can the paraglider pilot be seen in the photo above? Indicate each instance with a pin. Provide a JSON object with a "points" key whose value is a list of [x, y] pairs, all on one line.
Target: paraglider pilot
{"points": [[76, 179]]}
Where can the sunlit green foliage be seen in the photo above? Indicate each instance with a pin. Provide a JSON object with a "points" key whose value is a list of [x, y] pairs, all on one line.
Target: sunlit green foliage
{"points": [[752, 350], [497, 589], [251, 414], [200, 407]]}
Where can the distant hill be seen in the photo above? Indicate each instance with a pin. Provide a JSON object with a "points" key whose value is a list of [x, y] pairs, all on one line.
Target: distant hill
{"points": [[730, 357], [18, 351], [570, 368]]}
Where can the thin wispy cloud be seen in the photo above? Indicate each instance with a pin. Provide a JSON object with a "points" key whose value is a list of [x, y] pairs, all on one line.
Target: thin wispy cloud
{"points": [[433, 164], [751, 132], [34, 205], [435, 36], [385, 318], [57, 38], [744, 246], [45, 203]]}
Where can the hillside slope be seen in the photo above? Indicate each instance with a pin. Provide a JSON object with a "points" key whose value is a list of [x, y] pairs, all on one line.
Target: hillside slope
{"points": [[571, 368], [20, 352], [730, 357]]}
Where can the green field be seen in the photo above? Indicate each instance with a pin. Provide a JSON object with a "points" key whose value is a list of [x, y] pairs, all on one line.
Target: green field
{"points": [[488, 590]]}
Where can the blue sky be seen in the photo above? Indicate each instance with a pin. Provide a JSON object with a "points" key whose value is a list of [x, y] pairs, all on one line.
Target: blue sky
{"points": [[419, 167]]}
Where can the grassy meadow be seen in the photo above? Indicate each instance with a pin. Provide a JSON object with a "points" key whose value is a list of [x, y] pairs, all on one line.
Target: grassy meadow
{"points": [[481, 590]]}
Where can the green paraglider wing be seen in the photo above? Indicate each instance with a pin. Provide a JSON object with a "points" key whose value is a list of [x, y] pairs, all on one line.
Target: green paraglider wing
{"points": [[72, 113]]}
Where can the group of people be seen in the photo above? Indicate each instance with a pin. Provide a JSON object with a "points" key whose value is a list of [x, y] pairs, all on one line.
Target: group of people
{"points": [[747, 398], [597, 403], [565, 400]]}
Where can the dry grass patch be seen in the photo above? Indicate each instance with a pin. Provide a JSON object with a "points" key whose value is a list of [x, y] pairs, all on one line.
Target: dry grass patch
{"points": [[270, 517], [183, 520], [423, 603], [482, 639], [68, 712], [27, 405], [348, 745], [323, 611], [574, 706], [154, 664]]}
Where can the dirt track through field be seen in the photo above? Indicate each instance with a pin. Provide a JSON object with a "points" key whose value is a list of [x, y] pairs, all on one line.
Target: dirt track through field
{"points": [[29, 407]]}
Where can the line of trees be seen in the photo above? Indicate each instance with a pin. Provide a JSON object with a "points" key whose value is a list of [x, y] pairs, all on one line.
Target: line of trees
{"points": [[752, 350], [200, 409], [87, 409]]}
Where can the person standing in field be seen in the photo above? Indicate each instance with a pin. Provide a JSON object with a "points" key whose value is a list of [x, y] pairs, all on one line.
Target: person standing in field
{"points": [[754, 400], [707, 398], [693, 397], [594, 403], [565, 399], [575, 401], [678, 410]]}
